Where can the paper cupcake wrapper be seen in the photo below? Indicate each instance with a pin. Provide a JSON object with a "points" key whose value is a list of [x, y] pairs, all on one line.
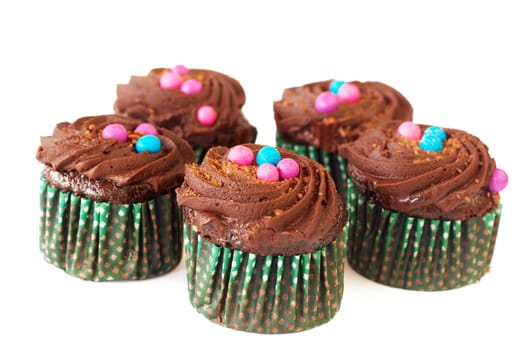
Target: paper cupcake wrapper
{"points": [[102, 241], [414, 253], [332, 161], [263, 294], [199, 153]]}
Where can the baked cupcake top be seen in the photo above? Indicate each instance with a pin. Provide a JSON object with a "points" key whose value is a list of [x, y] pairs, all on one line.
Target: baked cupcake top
{"points": [[114, 158], [329, 113], [423, 171], [238, 198], [202, 106]]}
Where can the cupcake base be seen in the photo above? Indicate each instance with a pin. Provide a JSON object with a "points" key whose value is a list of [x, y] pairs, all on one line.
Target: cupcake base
{"points": [[102, 241], [414, 253], [263, 294]]}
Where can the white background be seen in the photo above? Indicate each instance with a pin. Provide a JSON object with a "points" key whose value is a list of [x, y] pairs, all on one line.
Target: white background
{"points": [[461, 64]]}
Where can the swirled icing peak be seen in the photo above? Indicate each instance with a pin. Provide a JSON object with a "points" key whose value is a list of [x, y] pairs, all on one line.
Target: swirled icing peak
{"points": [[229, 205]]}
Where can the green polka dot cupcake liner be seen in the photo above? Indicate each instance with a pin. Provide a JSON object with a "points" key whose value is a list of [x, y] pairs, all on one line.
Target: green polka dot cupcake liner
{"points": [[102, 241], [415, 253], [199, 153], [263, 294], [332, 161]]}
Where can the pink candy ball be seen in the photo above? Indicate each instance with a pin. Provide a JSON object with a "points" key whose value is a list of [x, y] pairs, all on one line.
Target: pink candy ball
{"points": [[191, 86], [267, 172], [180, 69], [115, 132], [349, 93], [288, 168], [326, 102], [498, 181], [170, 80], [410, 130], [241, 155], [206, 115], [146, 129]]}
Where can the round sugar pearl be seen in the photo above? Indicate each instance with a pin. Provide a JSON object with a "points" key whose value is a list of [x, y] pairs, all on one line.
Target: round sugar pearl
{"points": [[267, 172], [335, 85], [326, 102], [146, 129], [116, 132], [498, 181], [241, 155], [288, 168], [206, 115], [180, 69], [170, 80], [436, 131], [349, 93], [410, 130], [431, 143], [191, 86], [149, 143], [267, 155]]}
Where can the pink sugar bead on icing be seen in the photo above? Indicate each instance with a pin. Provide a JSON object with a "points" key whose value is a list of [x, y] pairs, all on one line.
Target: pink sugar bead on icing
{"points": [[170, 80], [410, 130], [267, 172], [146, 129], [349, 93], [326, 102], [288, 168], [115, 132], [180, 69], [191, 86], [206, 115], [498, 181], [241, 155]]}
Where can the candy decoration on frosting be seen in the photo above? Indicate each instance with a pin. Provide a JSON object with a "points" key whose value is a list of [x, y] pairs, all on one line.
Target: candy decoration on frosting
{"points": [[349, 93], [180, 69], [146, 129], [436, 131], [498, 181], [288, 168], [206, 115], [339, 91], [432, 139], [326, 102], [115, 132], [410, 130], [191, 86], [267, 155], [335, 85], [241, 155], [170, 80], [267, 172], [173, 79], [149, 143]]}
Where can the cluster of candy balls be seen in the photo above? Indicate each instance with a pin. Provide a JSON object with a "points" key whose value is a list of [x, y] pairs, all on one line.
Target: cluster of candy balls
{"points": [[338, 91], [206, 115], [432, 140], [271, 167], [148, 142]]}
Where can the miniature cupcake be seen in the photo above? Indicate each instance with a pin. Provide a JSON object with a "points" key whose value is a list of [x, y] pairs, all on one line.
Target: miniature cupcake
{"points": [[264, 248], [108, 204], [202, 106], [314, 119], [423, 206]]}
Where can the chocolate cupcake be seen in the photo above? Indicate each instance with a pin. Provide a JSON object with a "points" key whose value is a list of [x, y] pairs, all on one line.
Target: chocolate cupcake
{"points": [[424, 206], [264, 239], [316, 118], [202, 106], [108, 203]]}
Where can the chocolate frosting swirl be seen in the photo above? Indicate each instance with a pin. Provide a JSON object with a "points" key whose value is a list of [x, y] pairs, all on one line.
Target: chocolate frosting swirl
{"points": [[395, 172], [78, 159], [143, 99], [298, 121], [230, 206]]}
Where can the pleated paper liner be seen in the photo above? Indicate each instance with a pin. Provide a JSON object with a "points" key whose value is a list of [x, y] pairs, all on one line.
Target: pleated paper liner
{"points": [[332, 161], [102, 241], [414, 253], [263, 294]]}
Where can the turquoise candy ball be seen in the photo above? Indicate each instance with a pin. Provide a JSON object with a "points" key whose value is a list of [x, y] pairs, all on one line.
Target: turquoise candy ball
{"points": [[431, 143], [335, 85], [437, 132], [267, 155], [149, 143]]}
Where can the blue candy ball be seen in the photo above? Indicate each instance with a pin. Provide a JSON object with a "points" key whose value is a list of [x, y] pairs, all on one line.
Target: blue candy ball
{"points": [[436, 131], [431, 143], [268, 155], [335, 85], [149, 143]]}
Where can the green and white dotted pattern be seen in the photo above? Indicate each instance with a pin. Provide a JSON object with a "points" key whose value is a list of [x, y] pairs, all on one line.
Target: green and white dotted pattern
{"points": [[414, 253], [263, 294], [102, 241]]}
